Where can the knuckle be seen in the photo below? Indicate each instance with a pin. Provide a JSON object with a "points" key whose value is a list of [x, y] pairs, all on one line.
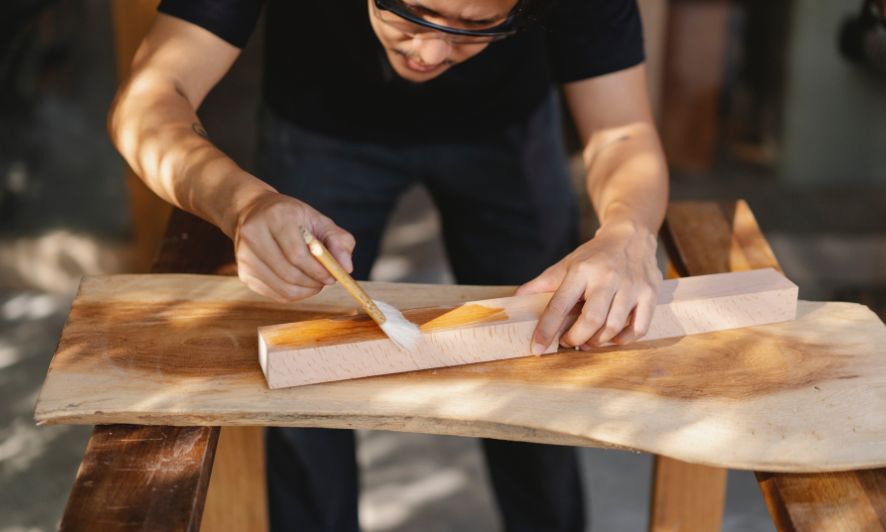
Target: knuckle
{"points": [[558, 306], [569, 340], [656, 279], [303, 288], [574, 339], [290, 276], [583, 268], [592, 317], [293, 292], [648, 299], [299, 252], [610, 330]]}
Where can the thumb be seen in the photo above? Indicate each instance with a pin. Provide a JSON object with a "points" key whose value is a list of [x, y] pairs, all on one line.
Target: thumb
{"points": [[548, 281]]}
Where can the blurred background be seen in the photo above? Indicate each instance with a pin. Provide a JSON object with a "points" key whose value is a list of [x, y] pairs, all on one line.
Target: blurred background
{"points": [[781, 103]]}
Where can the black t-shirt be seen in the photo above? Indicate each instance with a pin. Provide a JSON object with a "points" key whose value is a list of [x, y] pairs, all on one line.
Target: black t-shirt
{"points": [[325, 69]]}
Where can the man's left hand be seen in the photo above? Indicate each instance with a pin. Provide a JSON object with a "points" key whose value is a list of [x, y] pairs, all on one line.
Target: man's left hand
{"points": [[616, 279]]}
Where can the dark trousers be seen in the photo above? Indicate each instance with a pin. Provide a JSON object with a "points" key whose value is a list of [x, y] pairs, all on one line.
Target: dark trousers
{"points": [[508, 212]]}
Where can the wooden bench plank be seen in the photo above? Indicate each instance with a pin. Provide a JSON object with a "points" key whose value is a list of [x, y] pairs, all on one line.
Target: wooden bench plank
{"points": [[136, 477], [237, 497], [686, 497], [852, 500], [152, 477]]}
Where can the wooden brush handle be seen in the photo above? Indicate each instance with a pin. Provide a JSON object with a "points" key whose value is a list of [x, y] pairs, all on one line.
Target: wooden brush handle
{"points": [[329, 262]]}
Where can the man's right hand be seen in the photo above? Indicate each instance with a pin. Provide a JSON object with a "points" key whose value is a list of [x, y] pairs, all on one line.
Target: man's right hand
{"points": [[154, 124], [272, 258]]}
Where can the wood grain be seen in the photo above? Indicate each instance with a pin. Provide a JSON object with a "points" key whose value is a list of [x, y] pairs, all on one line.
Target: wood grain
{"points": [[180, 349], [237, 496], [851, 500], [333, 349], [121, 484], [686, 497]]}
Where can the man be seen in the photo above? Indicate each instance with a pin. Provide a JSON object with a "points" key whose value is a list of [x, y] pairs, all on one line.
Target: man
{"points": [[363, 99]]}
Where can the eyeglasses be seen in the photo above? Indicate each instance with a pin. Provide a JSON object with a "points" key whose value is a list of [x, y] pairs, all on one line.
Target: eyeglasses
{"points": [[406, 19]]}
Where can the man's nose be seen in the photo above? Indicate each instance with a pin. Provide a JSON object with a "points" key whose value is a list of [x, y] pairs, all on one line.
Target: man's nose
{"points": [[432, 50]]}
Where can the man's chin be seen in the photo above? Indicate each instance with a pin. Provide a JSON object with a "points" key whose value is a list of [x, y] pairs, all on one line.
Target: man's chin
{"points": [[415, 73]]}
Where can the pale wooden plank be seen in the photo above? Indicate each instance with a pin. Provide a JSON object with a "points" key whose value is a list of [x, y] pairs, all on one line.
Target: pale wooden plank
{"points": [[687, 497], [328, 350], [237, 495]]}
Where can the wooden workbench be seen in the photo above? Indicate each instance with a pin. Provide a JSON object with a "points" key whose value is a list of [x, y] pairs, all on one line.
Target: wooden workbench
{"points": [[149, 477]]}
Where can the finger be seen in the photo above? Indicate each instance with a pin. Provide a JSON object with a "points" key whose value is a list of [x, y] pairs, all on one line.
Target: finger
{"points": [[641, 317], [250, 266], [268, 250], [643, 314], [296, 252], [341, 244], [592, 317], [617, 319], [547, 281], [561, 304], [257, 285], [626, 336]]}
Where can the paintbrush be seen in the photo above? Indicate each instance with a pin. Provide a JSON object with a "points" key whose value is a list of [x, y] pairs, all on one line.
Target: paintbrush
{"points": [[401, 331]]}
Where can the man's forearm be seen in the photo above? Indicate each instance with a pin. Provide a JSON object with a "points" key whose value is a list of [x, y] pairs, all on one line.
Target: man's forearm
{"points": [[157, 131], [627, 178]]}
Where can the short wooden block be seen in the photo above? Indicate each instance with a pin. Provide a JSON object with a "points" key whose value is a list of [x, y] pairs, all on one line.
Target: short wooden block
{"points": [[494, 329]]}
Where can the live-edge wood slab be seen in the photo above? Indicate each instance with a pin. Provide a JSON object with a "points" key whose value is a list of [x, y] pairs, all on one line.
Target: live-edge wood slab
{"points": [[805, 395]]}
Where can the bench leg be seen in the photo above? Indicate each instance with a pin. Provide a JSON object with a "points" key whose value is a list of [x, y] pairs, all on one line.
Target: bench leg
{"points": [[237, 497], [686, 497]]}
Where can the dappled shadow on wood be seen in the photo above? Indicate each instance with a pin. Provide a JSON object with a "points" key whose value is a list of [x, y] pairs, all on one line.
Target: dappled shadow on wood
{"points": [[743, 398]]}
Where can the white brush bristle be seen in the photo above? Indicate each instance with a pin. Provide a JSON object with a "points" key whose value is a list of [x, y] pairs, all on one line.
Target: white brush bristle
{"points": [[401, 331]]}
